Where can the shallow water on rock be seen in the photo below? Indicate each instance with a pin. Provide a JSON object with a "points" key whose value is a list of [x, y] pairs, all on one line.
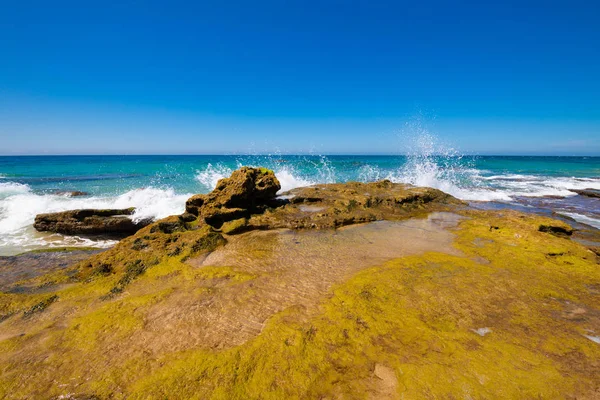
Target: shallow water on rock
{"points": [[298, 268], [342, 250]]}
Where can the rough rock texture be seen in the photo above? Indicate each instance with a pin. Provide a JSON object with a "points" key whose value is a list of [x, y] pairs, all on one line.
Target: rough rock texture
{"points": [[415, 309], [246, 191], [112, 222], [334, 205], [246, 201], [587, 192], [38, 262]]}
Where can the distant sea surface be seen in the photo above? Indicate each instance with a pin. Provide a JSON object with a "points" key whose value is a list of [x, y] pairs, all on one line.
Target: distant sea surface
{"points": [[158, 186]]}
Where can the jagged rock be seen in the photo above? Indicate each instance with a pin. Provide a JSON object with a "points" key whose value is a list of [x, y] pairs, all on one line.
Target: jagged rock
{"points": [[193, 204], [111, 222], [247, 191], [246, 201], [169, 225]]}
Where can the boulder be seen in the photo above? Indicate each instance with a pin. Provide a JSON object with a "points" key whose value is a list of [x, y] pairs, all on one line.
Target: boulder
{"points": [[247, 191], [110, 222]]}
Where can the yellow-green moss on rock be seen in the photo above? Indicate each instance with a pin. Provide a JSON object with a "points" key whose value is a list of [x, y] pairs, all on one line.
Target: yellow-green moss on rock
{"points": [[510, 315]]}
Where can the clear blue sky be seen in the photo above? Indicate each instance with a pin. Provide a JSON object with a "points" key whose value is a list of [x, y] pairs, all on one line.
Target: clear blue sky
{"points": [[489, 77]]}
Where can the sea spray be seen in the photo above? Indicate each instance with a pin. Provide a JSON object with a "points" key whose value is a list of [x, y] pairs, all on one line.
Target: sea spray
{"points": [[431, 163], [159, 185], [292, 172], [20, 205]]}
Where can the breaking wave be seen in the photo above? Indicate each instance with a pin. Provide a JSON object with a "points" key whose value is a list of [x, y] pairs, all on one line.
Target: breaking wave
{"points": [[426, 162], [19, 205]]}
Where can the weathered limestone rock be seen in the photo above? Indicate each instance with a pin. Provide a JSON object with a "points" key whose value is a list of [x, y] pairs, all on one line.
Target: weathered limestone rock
{"points": [[247, 191], [370, 311], [112, 222], [334, 205], [248, 197]]}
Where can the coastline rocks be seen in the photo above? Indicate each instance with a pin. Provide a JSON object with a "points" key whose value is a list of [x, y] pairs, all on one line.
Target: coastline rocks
{"points": [[246, 201], [247, 191], [112, 222], [587, 192], [334, 205]]}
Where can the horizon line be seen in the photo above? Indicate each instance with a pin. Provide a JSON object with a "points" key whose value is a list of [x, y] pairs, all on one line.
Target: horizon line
{"points": [[296, 155]]}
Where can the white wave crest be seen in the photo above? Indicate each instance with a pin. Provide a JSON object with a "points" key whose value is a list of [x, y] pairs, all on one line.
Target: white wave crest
{"points": [[289, 181], [210, 176], [18, 211], [287, 176], [11, 188], [584, 219]]}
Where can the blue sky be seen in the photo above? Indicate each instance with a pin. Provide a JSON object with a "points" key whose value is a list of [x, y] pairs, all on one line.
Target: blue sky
{"points": [[134, 77]]}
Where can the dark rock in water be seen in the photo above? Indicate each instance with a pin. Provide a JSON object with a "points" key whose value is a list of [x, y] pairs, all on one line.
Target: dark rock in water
{"points": [[247, 191], [587, 192], [111, 222], [71, 193]]}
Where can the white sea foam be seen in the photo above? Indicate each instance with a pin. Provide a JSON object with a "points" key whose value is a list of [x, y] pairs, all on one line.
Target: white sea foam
{"points": [[289, 181], [287, 176], [539, 186], [212, 174], [11, 188], [584, 219], [19, 206]]}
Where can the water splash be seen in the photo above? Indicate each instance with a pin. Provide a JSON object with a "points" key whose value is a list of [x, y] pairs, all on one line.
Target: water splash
{"points": [[210, 176], [20, 205], [432, 163], [292, 171]]}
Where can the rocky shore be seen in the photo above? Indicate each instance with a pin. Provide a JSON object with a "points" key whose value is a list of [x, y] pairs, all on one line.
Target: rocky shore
{"points": [[111, 222], [355, 290]]}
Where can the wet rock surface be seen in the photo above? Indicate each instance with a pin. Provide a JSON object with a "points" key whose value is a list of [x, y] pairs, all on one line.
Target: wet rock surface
{"points": [[220, 303], [587, 192], [247, 201], [335, 205], [110, 222], [32, 264]]}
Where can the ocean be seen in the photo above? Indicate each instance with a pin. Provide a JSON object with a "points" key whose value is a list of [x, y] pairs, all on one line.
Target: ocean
{"points": [[158, 186]]}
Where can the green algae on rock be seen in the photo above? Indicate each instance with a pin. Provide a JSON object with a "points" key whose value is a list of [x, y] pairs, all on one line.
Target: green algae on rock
{"points": [[385, 310]]}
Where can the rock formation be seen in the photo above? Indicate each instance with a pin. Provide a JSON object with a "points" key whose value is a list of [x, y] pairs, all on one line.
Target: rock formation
{"points": [[247, 191], [587, 192], [498, 304], [111, 222]]}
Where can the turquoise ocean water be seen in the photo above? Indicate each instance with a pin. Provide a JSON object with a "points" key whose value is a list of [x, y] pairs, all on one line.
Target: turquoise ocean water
{"points": [[159, 185]]}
